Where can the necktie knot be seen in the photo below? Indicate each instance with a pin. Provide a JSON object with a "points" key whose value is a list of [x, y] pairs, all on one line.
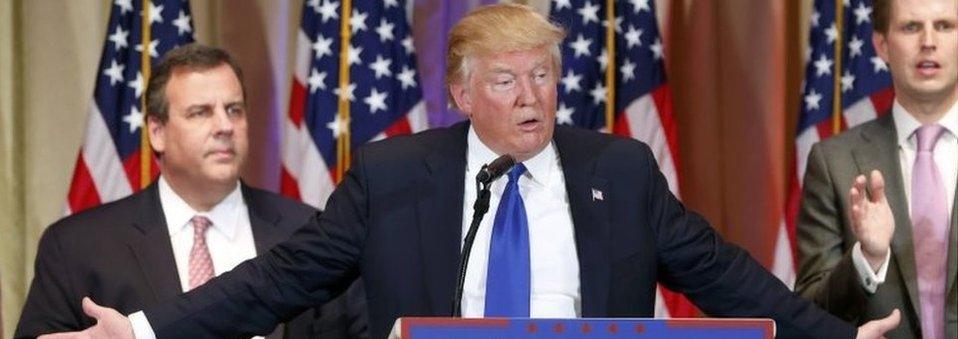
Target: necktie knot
{"points": [[516, 172], [927, 136], [200, 225]]}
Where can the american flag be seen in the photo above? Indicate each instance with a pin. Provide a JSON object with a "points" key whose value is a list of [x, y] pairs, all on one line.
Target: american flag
{"points": [[381, 94], [866, 93], [642, 100], [111, 163]]}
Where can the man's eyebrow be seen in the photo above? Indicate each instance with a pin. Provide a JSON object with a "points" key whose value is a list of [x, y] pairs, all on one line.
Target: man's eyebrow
{"points": [[500, 69], [195, 106]]}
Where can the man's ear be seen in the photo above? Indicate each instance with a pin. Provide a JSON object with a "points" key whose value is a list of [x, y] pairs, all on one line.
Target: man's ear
{"points": [[157, 130], [462, 97], [880, 42]]}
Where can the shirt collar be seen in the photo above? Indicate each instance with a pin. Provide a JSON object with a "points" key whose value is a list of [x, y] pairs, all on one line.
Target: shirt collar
{"points": [[224, 215], [906, 124], [537, 168]]}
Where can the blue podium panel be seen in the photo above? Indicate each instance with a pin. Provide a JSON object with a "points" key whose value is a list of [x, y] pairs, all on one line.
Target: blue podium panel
{"points": [[710, 328]]}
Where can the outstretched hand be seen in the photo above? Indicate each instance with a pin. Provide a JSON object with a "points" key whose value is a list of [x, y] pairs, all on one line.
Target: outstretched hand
{"points": [[871, 217], [109, 324]]}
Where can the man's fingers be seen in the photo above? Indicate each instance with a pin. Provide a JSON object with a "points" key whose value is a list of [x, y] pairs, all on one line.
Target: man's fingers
{"points": [[860, 182], [854, 196], [855, 208], [857, 192], [877, 186]]}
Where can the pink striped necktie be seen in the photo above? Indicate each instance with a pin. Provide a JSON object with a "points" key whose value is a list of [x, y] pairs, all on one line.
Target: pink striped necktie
{"points": [[929, 218], [201, 263]]}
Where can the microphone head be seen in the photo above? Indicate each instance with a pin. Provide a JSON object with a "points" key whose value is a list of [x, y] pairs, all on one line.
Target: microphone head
{"points": [[495, 169]]}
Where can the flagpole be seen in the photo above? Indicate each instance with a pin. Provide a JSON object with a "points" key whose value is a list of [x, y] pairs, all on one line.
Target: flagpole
{"points": [[146, 152], [610, 65], [837, 78], [342, 142]]}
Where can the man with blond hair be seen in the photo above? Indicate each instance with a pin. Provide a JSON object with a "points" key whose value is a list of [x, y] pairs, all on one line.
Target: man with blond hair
{"points": [[583, 226], [908, 259]]}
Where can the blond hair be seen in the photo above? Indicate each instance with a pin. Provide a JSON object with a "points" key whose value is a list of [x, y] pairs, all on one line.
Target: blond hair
{"points": [[495, 29]]}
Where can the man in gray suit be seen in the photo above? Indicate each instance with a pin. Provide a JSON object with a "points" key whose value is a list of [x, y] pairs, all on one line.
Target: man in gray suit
{"points": [[870, 246]]}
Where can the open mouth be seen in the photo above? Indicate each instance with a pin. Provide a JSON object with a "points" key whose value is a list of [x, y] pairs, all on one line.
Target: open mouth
{"points": [[529, 124], [928, 67]]}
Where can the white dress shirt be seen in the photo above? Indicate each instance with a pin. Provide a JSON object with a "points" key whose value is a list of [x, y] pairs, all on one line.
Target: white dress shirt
{"points": [[229, 239], [554, 263], [946, 158]]}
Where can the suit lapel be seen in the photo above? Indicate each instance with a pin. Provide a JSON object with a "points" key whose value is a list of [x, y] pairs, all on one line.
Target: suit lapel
{"points": [[263, 219], [152, 247], [440, 195], [880, 151], [589, 197]]}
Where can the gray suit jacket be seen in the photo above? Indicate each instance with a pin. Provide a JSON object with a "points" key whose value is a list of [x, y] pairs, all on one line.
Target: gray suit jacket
{"points": [[825, 238]]}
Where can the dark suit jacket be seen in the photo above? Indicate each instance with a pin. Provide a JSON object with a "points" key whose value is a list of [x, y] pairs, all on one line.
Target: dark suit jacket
{"points": [[120, 255], [396, 219], [827, 274]]}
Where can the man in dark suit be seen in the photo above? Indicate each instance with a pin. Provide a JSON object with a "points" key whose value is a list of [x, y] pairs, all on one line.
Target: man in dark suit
{"points": [[908, 260], [138, 251], [584, 226]]}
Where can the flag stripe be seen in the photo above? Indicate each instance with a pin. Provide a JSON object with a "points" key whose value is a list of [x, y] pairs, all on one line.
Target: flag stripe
{"points": [[288, 184], [297, 100], [104, 165], [83, 193], [310, 180], [663, 100], [642, 120]]}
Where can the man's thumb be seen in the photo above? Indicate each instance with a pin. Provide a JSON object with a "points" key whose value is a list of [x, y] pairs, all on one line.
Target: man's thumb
{"points": [[92, 309], [890, 322]]}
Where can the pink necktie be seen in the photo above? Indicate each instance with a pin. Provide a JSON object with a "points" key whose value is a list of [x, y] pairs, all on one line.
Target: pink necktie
{"points": [[929, 218], [201, 264]]}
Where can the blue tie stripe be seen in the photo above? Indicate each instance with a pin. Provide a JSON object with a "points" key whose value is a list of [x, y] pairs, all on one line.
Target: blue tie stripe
{"points": [[508, 275]]}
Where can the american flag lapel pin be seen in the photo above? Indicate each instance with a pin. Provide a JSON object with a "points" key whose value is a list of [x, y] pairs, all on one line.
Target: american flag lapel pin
{"points": [[597, 195]]}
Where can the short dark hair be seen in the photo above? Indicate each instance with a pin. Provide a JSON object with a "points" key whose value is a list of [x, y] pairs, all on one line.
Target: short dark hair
{"points": [[881, 13], [192, 57]]}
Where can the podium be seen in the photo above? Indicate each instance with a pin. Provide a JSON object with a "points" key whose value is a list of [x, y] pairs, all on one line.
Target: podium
{"points": [[591, 328]]}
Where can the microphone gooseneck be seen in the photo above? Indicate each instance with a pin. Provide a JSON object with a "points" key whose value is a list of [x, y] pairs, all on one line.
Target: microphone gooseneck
{"points": [[484, 178]]}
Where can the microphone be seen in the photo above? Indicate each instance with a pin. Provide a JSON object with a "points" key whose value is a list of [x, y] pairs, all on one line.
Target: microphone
{"points": [[495, 169], [487, 174]]}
